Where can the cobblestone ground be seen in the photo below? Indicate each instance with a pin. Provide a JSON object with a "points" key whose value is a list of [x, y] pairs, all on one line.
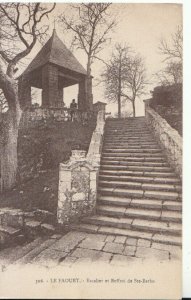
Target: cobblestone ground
{"points": [[76, 248]]}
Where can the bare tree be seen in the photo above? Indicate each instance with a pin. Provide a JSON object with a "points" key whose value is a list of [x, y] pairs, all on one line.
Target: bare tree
{"points": [[21, 27], [171, 74], [135, 82], [115, 73], [124, 77], [174, 48], [172, 52], [90, 24]]}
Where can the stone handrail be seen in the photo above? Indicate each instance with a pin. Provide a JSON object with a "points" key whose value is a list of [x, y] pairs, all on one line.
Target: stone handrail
{"points": [[168, 137], [94, 152], [78, 178]]}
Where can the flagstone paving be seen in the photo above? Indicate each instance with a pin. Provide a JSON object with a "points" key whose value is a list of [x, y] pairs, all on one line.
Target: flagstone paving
{"points": [[76, 248]]}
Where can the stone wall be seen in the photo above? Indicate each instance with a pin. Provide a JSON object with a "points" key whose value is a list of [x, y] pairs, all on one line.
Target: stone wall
{"points": [[32, 117], [168, 137], [78, 179]]}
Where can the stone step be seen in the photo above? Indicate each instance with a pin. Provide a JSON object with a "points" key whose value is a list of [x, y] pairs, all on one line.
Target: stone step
{"points": [[126, 129], [145, 186], [130, 146], [112, 156], [172, 205], [134, 168], [138, 173], [8, 234], [157, 204], [129, 202], [142, 127], [133, 150], [127, 125], [126, 152], [33, 228], [130, 213], [108, 161], [157, 226], [101, 220], [150, 226], [167, 239], [129, 137], [126, 122], [142, 179], [117, 132], [11, 217], [128, 140], [139, 193], [140, 213], [128, 133], [163, 239]]}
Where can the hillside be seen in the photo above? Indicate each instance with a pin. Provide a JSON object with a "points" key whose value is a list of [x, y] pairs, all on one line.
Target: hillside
{"points": [[40, 150]]}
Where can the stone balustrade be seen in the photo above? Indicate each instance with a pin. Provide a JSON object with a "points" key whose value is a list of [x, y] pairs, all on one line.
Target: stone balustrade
{"points": [[77, 192], [168, 137]]}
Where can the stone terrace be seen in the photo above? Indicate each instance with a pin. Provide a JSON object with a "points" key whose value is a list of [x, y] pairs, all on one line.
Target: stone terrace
{"points": [[76, 248]]}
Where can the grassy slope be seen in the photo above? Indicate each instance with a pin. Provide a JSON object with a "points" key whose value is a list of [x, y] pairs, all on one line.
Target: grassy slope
{"points": [[40, 151]]}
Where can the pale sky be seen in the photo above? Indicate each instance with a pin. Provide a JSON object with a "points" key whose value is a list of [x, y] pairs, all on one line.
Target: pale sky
{"points": [[141, 26]]}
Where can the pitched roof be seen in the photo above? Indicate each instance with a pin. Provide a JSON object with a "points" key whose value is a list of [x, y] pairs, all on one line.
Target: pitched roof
{"points": [[100, 102], [54, 51]]}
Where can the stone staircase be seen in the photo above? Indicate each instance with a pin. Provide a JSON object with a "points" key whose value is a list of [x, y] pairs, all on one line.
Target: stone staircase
{"points": [[139, 194]]}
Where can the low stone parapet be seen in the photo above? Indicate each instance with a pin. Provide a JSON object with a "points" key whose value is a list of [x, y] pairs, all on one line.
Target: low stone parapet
{"points": [[168, 137], [77, 192], [31, 117]]}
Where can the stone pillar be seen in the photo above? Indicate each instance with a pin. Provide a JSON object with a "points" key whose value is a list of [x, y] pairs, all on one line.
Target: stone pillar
{"points": [[60, 97], [49, 86], [82, 96], [147, 103], [24, 91], [77, 189]]}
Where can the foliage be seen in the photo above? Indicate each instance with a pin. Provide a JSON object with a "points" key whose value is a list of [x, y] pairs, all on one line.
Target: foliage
{"points": [[172, 53]]}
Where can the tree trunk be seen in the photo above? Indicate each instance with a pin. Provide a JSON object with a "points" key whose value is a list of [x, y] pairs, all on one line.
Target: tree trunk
{"points": [[89, 86], [119, 105], [119, 90], [133, 104], [8, 158], [9, 136]]}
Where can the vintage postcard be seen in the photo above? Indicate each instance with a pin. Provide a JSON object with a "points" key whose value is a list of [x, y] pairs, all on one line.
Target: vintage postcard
{"points": [[91, 150]]}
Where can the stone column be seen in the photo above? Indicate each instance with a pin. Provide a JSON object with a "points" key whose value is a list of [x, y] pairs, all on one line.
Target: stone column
{"points": [[24, 91], [49, 86]]}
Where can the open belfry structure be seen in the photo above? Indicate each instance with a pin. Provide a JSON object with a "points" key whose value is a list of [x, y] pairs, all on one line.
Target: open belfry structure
{"points": [[53, 69]]}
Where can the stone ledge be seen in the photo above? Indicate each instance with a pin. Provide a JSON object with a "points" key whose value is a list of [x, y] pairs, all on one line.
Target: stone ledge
{"points": [[168, 137]]}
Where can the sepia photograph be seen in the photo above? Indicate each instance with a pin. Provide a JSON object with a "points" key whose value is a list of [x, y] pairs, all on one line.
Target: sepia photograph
{"points": [[91, 109]]}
